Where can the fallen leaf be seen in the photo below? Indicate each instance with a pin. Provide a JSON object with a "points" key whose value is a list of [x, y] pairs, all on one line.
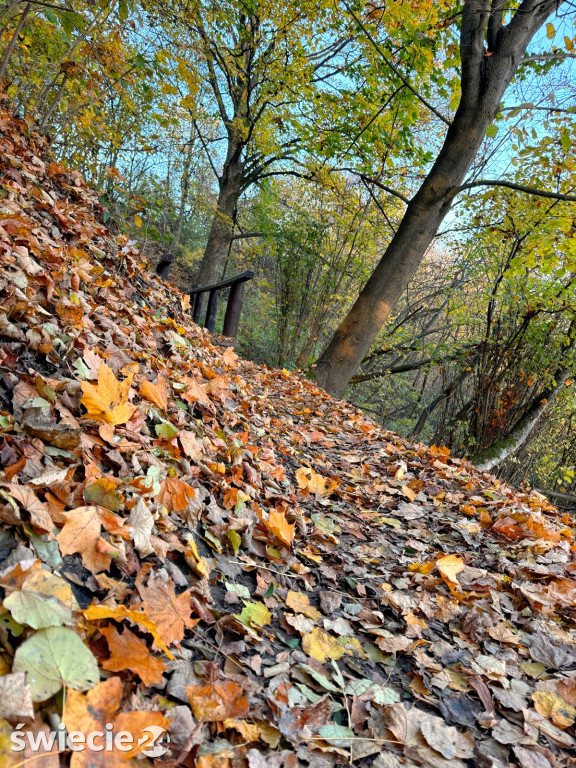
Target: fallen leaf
{"points": [[15, 698], [322, 646], [279, 526], [97, 612], [128, 651], [141, 524], [44, 600], [155, 393], [169, 612], [82, 533], [27, 499], [175, 494], [254, 614], [553, 706], [450, 566], [55, 657], [104, 493], [108, 400], [312, 482], [299, 603], [216, 702], [90, 713]]}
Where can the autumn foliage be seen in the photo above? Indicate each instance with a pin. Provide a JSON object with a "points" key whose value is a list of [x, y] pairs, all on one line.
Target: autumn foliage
{"points": [[192, 541]]}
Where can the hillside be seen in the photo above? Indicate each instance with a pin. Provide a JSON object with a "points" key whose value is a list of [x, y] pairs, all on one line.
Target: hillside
{"points": [[189, 538]]}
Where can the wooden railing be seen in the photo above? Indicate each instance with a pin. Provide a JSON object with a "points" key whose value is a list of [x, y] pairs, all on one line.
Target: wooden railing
{"points": [[235, 298], [233, 308]]}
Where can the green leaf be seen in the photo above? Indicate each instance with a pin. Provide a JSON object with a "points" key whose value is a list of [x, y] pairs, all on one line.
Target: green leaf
{"points": [[235, 540], [254, 615], [491, 131], [565, 140], [320, 679], [45, 600], [166, 431], [339, 735], [55, 657]]}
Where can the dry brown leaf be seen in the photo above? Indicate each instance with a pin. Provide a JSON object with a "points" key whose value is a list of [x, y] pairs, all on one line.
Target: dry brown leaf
{"points": [[169, 612]]}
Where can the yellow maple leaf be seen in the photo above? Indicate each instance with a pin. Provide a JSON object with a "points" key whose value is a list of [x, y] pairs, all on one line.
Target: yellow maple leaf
{"points": [[107, 401], [322, 646], [299, 603]]}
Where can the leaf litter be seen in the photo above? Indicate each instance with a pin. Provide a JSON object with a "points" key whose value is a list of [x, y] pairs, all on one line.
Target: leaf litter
{"points": [[190, 540]]}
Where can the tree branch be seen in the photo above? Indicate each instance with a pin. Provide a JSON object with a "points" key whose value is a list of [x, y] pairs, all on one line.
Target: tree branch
{"points": [[394, 69], [519, 187], [379, 184]]}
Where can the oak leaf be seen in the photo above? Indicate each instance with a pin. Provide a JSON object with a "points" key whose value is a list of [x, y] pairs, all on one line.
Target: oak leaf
{"points": [[107, 401]]}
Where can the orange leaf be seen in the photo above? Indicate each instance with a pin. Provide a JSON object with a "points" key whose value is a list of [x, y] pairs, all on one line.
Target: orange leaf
{"points": [[279, 526], [91, 712], [108, 400], [155, 393], [194, 392], [169, 612], [81, 533], [96, 612], [230, 358], [216, 702], [311, 481], [129, 652], [175, 494]]}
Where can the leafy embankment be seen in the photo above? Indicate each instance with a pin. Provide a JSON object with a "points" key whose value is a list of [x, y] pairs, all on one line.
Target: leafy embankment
{"points": [[190, 539]]}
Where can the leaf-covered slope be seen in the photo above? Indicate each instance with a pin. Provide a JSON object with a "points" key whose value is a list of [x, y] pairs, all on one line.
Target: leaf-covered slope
{"points": [[192, 539]]}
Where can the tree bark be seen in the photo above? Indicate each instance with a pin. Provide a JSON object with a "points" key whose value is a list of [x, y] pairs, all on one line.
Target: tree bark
{"points": [[14, 39], [510, 445], [222, 228], [484, 79]]}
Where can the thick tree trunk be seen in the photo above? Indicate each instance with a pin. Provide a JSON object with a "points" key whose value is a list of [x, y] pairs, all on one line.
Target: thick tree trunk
{"points": [[509, 446], [222, 228], [485, 77]]}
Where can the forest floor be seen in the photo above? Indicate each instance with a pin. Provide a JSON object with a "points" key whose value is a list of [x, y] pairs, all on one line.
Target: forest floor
{"points": [[193, 541]]}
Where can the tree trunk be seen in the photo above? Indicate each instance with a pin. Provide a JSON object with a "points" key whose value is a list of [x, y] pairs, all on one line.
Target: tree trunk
{"points": [[510, 445], [485, 76], [185, 189], [14, 39], [222, 228]]}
